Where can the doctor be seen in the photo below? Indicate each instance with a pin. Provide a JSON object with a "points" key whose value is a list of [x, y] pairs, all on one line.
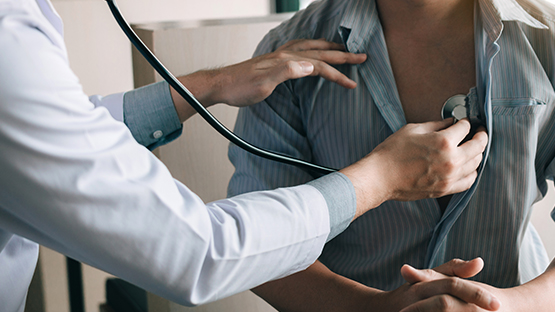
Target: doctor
{"points": [[75, 175]]}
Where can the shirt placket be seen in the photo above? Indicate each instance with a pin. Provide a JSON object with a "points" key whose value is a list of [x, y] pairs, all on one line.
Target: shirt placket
{"points": [[487, 49]]}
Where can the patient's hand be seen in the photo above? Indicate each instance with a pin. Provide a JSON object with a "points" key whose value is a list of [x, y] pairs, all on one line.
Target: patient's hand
{"points": [[430, 290], [534, 296]]}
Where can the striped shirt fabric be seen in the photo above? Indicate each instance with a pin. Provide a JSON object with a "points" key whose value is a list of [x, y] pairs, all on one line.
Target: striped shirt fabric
{"points": [[324, 123]]}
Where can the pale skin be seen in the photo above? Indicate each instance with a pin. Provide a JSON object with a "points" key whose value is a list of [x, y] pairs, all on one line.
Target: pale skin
{"points": [[431, 49]]}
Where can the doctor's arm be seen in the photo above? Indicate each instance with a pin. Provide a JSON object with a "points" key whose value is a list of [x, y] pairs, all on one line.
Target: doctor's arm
{"points": [[75, 180]]}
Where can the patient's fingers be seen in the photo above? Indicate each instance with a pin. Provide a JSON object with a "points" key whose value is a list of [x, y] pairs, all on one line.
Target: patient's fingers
{"points": [[455, 267], [442, 303], [465, 290], [443, 280], [461, 268]]}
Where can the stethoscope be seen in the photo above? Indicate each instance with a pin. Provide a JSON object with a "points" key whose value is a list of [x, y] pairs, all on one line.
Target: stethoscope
{"points": [[455, 107], [188, 96]]}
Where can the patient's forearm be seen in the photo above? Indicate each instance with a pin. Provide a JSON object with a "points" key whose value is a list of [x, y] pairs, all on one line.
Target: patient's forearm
{"points": [[537, 295], [316, 289]]}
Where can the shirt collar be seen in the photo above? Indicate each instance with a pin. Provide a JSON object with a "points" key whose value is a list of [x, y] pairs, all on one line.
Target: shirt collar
{"points": [[494, 12], [361, 19]]}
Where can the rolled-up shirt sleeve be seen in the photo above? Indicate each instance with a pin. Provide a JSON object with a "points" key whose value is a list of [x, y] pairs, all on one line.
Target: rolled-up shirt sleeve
{"points": [[148, 112], [340, 197]]}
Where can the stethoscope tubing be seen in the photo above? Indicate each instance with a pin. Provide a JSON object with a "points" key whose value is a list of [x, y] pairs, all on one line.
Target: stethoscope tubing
{"points": [[189, 97]]}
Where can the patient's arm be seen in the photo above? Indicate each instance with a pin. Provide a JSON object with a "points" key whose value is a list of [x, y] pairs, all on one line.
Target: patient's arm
{"points": [[319, 289], [315, 289]]}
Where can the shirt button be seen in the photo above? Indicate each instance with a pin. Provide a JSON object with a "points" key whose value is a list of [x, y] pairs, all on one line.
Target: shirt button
{"points": [[157, 134]]}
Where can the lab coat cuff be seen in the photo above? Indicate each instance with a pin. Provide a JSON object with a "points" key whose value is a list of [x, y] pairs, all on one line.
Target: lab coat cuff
{"points": [[150, 114], [113, 103], [340, 196]]}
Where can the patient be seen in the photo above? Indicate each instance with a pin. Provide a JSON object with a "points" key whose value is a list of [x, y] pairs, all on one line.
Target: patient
{"points": [[501, 55]]}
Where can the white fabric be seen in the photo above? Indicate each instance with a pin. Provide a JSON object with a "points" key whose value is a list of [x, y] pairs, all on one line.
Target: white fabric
{"points": [[113, 103], [74, 179]]}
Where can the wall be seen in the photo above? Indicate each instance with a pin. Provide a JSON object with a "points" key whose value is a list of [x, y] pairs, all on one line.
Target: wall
{"points": [[100, 55], [97, 46]]}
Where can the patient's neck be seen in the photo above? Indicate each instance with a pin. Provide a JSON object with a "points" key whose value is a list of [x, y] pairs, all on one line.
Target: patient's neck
{"points": [[426, 21]]}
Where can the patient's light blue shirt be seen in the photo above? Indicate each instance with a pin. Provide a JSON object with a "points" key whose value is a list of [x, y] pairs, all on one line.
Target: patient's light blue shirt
{"points": [[321, 122]]}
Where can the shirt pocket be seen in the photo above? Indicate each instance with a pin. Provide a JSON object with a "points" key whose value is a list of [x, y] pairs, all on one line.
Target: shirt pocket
{"points": [[516, 107], [512, 159], [516, 125]]}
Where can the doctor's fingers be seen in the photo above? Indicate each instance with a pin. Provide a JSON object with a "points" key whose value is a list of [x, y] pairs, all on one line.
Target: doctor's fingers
{"points": [[460, 185], [457, 132], [434, 126], [470, 166], [297, 69], [442, 303], [475, 146], [327, 56], [311, 44]]}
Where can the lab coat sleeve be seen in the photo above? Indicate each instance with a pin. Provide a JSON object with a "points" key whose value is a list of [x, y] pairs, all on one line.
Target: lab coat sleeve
{"points": [[75, 180]]}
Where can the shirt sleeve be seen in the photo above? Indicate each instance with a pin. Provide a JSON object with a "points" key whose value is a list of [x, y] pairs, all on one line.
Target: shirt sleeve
{"points": [[75, 180], [276, 124], [340, 197], [148, 112]]}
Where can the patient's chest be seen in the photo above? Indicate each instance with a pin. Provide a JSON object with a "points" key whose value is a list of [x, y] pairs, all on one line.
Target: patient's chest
{"points": [[426, 76]]}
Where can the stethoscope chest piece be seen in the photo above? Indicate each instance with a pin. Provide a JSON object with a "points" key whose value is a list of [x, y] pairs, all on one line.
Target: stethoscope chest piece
{"points": [[454, 107]]}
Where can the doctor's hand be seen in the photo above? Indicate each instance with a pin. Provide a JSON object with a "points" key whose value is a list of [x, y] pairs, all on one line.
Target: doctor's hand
{"points": [[440, 289], [427, 160], [254, 80]]}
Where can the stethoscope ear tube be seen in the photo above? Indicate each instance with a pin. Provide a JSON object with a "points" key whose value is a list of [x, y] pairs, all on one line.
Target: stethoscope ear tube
{"points": [[188, 96]]}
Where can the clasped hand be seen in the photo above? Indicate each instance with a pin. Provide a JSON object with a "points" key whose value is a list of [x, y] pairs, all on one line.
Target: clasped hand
{"points": [[441, 289]]}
